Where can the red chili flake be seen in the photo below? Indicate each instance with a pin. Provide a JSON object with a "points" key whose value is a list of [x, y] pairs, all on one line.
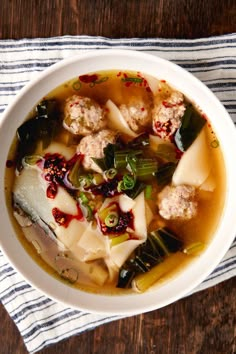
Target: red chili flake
{"points": [[163, 80], [178, 153], [125, 75], [119, 74], [142, 109], [148, 89], [64, 219], [87, 79], [168, 104], [128, 83], [144, 82], [204, 116], [163, 128], [52, 190], [125, 220], [61, 218], [9, 163]]}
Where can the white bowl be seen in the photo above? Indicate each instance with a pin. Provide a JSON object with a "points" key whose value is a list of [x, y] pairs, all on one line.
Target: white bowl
{"points": [[183, 81]]}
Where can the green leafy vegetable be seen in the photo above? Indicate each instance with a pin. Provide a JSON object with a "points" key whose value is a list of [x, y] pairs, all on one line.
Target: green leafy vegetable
{"points": [[165, 172], [74, 173], [137, 189], [191, 125], [159, 245], [148, 191], [41, 127]]}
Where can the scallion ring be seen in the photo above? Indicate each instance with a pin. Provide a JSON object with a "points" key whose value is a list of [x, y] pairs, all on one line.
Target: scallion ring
{"points": [[111, 173], [128, 181], [112, 219]]}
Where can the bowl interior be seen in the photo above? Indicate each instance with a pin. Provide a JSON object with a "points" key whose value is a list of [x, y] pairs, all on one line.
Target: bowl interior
{"points": [[178, 78]]}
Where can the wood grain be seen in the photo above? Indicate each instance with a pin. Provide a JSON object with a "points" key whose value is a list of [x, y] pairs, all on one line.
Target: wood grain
{"points": [[117, 18], [204, 323]]}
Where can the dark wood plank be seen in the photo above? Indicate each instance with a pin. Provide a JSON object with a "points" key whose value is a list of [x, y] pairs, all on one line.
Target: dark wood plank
{"points": [[117, 18], [204, 323]]}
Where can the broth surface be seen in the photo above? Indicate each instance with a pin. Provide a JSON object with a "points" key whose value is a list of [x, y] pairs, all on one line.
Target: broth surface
{"points": [[121, 88]]}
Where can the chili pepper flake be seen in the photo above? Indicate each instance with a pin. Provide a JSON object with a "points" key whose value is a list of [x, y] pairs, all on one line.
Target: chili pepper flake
{"points": [[87, 79]]}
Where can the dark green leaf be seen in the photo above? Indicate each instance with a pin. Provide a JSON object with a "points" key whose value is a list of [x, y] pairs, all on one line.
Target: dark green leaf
{"points": [[138, 188], [191, 125], [165, 172]]}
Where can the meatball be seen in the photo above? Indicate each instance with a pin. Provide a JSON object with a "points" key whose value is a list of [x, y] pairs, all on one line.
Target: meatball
{"points": [[83, 115], [93, 145], [137, 114], [177, 202], [166, 116]]}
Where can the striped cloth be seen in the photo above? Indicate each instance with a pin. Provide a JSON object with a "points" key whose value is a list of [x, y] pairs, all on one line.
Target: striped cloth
{"points": [[40, 320]]}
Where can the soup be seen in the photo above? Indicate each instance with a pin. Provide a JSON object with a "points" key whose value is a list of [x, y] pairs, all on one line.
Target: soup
{"points": [[115, 181]]}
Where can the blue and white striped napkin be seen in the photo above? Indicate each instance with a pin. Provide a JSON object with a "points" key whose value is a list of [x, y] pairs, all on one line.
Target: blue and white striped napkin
{"points": [[40, 320]]}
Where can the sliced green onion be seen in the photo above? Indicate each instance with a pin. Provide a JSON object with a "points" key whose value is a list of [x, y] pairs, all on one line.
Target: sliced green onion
{"points": [[83, 198], [132, 163], [215, 144], [194, 248], [148, 192], [138, 80], [85, 181], [146, 167], [89, 212], [112, 219], [122, 157], [129, 181], [31, 160], [73, 175], [119, 239], [111, 173]]}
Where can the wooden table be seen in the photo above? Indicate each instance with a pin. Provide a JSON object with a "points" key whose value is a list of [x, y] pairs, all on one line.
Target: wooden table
{"points": [[204, 323]]}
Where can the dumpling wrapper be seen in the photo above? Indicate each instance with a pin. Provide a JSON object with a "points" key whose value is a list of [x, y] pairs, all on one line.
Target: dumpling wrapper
{"points": [[116, 120], [194, 166], [209, 184], [153, 83], [92, 245], [58, 148], [121, 252], [30, 191]]}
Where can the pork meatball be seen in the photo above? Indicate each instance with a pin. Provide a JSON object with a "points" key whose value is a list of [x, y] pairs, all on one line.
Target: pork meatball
{"points": [[177, 202], [83, 115], [93, 145], [166, 116], [137, 114]]}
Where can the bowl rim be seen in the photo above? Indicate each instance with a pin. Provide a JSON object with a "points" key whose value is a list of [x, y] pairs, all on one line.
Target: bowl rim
{"points": [[200, 268]]}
